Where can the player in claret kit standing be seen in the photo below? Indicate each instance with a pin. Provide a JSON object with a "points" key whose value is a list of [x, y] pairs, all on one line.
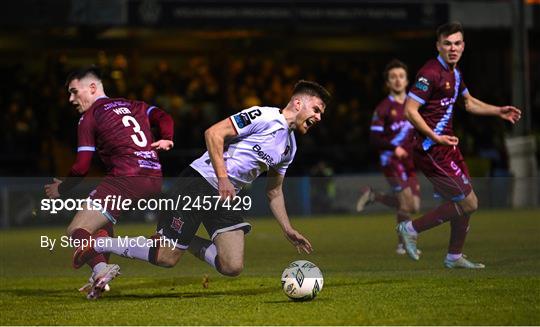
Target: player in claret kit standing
{"points": [[429, 108], [120, 130], [240, 148], [391, 136]]}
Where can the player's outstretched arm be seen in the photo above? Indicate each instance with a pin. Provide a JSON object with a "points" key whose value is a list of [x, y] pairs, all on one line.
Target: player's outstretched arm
{"points": [[412, 114], [215, 141], [165, 125], [477, 107], [276, 201], [165, 145]]}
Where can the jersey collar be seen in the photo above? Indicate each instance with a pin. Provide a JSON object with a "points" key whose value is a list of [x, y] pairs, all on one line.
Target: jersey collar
{"points": [[442, 62]]}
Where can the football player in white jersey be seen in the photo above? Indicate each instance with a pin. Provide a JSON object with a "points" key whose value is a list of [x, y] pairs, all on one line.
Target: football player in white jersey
{"points": [[240, 148]]}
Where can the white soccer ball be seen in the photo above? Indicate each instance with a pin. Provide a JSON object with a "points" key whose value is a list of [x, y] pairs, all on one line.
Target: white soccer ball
{"points": [[302, 280]]}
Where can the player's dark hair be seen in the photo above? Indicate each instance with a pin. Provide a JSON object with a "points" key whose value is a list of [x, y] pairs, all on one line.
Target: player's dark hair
{"points": [[449, 29], [394, 63], [81, 73], [313, 89]]}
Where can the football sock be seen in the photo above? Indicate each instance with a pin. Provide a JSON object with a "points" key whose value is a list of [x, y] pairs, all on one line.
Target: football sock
{"points": [[80, 234], [83, 234], [410, 228], [98, 258], [453, 257], [205, 250], [435, 217], [110, 231], [459, 227], [97, 267], [388, 200], [402, 216], [133, 248]]}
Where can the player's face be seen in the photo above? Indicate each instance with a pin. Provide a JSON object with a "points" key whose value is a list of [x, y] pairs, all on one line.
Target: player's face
{"points": [[397, 80], [311, 110], [451, 48], [80, 94]]}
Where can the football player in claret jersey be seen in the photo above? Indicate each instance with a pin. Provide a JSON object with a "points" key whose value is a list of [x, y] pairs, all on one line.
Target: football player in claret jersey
{"points": [[119, 130], [240, 148], [391, 136], [429, 108]]}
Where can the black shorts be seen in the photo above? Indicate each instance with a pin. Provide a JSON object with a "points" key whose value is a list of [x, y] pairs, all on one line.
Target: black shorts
{"points": [[182, 224]]}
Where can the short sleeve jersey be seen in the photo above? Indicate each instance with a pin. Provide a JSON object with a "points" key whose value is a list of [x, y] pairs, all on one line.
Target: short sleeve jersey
{"points": [[437, 88], [119, 130], [263, 141], [390, 124]]}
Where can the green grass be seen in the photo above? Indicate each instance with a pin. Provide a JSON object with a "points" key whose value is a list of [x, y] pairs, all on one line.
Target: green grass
{"points": [[365, 282]]}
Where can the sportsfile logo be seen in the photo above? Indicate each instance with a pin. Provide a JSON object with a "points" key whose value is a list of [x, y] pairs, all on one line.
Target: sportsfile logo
{"points": [[120, 203]]}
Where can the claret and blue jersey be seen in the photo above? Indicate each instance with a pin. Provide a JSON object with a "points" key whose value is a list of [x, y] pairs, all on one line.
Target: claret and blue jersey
{"points": [[391, 126], [437, 88]]}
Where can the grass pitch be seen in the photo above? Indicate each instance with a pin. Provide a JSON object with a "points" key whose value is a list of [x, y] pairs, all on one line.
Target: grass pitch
{"points": [[365, 281]]}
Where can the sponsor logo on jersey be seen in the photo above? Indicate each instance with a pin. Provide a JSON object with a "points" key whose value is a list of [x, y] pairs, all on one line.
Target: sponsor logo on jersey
{"points": [[263, 155], [177, 224], [447, 101], [146, 154], [422, 83], [399, 125], [242, 120], [287, 149]]}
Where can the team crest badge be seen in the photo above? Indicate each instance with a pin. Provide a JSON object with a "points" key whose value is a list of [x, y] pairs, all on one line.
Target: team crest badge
{"points": [[393, 112], [447, 85], [177, 224], [287, 149]]}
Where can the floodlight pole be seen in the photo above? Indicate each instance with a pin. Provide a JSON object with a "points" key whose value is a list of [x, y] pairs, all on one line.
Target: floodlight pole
{"points": [[520, 67], [522, 145]]}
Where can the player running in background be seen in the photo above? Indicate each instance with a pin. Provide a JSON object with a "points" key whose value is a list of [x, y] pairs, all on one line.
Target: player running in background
{"points": [[429, 108], [391, 136], [240, 148], [119, 130]]}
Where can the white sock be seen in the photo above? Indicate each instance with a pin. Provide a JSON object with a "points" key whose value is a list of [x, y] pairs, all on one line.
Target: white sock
{"points": [[453, 257], [135, 247], [98, 267], [410, 228], [210, 255]]}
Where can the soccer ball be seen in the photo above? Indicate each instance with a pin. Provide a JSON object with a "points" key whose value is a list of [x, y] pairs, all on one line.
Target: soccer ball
{"points": [[302, 280]]}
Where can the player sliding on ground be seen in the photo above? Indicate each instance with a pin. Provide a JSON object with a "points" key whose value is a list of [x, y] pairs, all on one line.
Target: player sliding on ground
{"points": [[119, 130], [391, 136], [240, 148], [429, 108]]}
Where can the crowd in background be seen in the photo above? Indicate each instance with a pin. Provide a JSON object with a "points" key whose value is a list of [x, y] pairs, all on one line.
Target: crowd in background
{"points": [[39, 126]]}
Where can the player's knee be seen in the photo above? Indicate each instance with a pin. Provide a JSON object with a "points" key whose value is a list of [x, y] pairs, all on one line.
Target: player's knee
{"points": [[406, 206], [470, 204], [72, 228], [167, 260], [69, 230], [231, 269]]}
